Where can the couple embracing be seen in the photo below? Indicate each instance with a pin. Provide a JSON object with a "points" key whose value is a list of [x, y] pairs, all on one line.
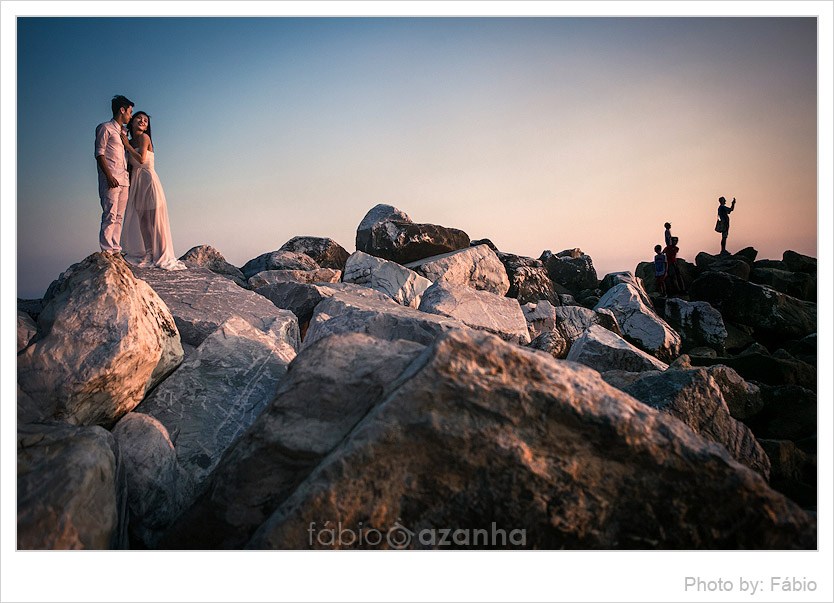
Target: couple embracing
{"points": [[134, 219]]}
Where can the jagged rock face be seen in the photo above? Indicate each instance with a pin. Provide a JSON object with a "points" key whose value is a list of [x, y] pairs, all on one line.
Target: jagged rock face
{"points": [[789, 413], [279, 260], [692, 396], [270, 277], [328, 390], [796, 284], [531, 285], [200, 301], [574, 273], [756, 306], [570, 321], [749, 253], [793, 472], [615, 278], [602, 350], [103, 339], [378, 213], [26, 329], [475, 267], [155, 481], [326, 252], [477, 431], [402, 285], [764, 368], [217, 393], [480, 310], [796, 262], [405, 242], [639, 323], [743, 399], [209, 257], [380, 316], [552, 342], [302, 298], [697, 323], [71, 489]]}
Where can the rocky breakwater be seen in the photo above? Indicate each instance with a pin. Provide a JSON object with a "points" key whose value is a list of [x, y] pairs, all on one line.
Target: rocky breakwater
{"points": [[444, 385]]}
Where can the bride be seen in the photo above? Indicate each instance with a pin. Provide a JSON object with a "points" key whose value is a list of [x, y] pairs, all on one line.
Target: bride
{"points": [[146, 236]]}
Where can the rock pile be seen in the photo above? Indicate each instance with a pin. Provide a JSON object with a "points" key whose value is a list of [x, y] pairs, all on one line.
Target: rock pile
{"points": [[424, 382]]}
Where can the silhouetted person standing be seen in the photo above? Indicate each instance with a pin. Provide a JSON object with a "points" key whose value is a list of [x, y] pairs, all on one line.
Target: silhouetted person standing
{"points": [[113, 180], [723, 224]]}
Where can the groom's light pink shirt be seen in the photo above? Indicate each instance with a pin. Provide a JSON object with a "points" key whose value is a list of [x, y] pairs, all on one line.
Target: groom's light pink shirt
{"points": [[109, 144]]}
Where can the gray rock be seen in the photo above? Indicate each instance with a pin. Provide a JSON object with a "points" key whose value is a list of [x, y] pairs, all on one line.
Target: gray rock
{"points": [[155, 481], [552, 342], [481, 310], [738, 266], [789, 413], [796, 262], [103, 339], [457, 440], [645, 272], [302, 298], [531, 284], [756, 305], [766, 369], [200, 301], [743, 399], [71, 489], [330, 388], [602, 350], [796, 284], [698, 323], [217, 393], [381, 317], [270, 277], [326, 252], [378, 213], [26, 329], [279, 260], [575, 273], [209, 257], [476, 267], [405, 242], [639, 323], [693, 397], [402, 285]]}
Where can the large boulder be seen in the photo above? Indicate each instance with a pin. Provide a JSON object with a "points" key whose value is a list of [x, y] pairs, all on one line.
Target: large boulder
{"points": [[270, 277], [377, 214], [279, 260], [755, 305], [326, 252], [402, 285], [351, 311], [735, 265], [603, 350], [698, 324], [789, 413], [477, 433], [155, 479], [800, 285], [103, 340], [793, 472], [645, 272], [639, 323], [766, 368], [796, 262], [574, 273], [477, 309], [743, 399], [302, 298], [330, 387], [529, 281], [405, 242], [209, 257], [217, 393], [693, 396], [71, 489], [200, 301], [476, 267]]}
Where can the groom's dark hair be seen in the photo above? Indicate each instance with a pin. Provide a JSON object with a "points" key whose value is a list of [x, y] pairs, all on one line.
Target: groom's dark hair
{"points": [[119, 102]]}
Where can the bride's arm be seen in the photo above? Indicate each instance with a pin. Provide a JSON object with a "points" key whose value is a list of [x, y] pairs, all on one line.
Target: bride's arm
{"points": [[144, 144]]}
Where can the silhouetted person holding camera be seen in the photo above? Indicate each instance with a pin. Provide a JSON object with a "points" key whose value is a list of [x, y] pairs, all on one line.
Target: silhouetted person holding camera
{"points": [[723, 223]]}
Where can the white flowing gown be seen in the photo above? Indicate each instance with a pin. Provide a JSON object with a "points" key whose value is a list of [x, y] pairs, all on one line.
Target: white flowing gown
{"points": [[146, 236]]}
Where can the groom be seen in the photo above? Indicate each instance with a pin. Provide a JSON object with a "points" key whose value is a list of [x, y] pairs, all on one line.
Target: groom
{"points": [[112, 174]]}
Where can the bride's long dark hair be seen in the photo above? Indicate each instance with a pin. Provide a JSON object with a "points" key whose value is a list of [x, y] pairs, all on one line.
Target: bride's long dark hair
{"points": [[148, 131]]}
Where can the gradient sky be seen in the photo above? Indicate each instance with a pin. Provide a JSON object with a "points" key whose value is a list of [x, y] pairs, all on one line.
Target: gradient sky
{"points": [[538, 133]]}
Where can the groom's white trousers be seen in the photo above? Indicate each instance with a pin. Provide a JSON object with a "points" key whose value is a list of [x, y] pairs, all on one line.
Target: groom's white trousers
{"points": [[113, 204]]}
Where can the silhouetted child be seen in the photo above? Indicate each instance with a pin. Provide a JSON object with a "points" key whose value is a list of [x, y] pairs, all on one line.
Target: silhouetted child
{"points": [[667, 235], [672, 268], [660, 270]]}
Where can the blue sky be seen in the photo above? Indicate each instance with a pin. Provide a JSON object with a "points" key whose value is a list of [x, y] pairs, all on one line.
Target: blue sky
{"points": [[546, 133]]}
